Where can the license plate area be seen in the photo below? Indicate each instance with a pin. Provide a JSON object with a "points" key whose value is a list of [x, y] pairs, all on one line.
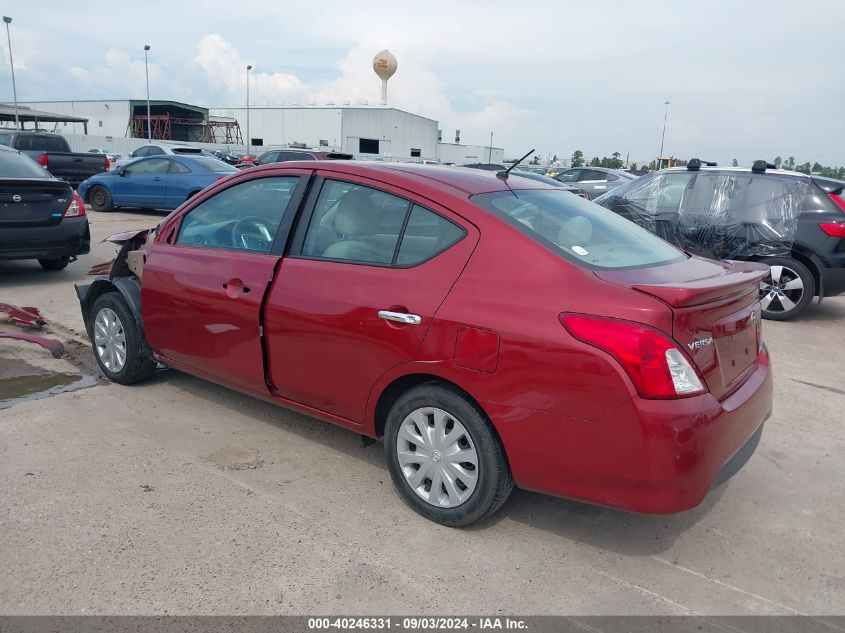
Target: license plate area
{"points": [[736, 340]]}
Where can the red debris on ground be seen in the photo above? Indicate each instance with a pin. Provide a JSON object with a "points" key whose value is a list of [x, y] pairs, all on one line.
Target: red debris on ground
{"points": [[25, 317], [55, 347]]}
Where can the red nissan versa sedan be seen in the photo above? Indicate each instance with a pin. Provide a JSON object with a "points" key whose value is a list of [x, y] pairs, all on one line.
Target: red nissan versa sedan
{"points": [[491, 336]]}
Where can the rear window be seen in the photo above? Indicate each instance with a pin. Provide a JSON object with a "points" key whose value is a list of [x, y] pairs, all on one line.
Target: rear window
{"points": [[186, 150], [15, 165], [580, 231], [36, 142], [212, 164], [5, 138]]}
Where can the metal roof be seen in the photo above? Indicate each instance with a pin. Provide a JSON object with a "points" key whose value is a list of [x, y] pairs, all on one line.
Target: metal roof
{"points": [[7, 113]]}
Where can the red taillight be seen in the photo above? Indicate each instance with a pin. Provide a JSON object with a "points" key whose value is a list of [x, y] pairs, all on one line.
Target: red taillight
{"points": [[838, 200], [76, 208], [43, 160], [833, 229], [656, 366], [108, 164]]}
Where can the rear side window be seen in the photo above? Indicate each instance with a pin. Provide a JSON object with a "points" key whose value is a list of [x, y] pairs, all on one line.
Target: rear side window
{"points": [[367, 226], [15, 165], [355, 223], [426, 234], [580, 231], [5, 138]]}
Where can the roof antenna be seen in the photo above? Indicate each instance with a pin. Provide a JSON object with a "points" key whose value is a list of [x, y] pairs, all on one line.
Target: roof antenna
{"points": [[504, 174]]}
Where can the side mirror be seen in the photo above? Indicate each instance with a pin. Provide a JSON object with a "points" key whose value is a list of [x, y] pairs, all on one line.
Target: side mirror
{"points": [[121, 171], [131, 154]]}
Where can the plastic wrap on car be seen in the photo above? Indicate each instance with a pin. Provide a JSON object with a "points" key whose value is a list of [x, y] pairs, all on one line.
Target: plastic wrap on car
{"points": [[720, 215]]}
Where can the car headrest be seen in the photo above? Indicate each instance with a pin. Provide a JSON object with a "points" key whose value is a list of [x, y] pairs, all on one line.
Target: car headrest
{"points": [[356, 215], [575, 232]]}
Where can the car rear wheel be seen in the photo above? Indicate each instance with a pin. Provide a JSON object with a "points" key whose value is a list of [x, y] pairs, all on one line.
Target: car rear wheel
{"points": [[444, 457], [54, 264], [787, 290], [100, 199], [119, 345]]}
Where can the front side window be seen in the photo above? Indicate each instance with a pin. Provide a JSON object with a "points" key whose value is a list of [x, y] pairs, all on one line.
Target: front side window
{"points": [[580, 231], [149, 166], [243, 217]]}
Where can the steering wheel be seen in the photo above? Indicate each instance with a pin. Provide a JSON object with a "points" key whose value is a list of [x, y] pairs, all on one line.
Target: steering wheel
{"points": [[252, 233]]}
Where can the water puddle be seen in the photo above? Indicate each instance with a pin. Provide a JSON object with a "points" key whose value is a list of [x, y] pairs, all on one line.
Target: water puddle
{"points": [[21, 388]]}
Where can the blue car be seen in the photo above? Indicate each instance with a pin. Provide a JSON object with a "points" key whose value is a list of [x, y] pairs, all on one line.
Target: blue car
{"points": [[157, 182]]}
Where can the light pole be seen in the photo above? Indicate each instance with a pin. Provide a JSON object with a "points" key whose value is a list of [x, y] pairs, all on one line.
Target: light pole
{"points": [[147, 72], [248, 140], [8, 21], [490, 151], [663, 136]]}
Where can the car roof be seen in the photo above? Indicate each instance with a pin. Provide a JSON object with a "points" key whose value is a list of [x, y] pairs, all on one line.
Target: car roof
{"points": [[466, 180]]}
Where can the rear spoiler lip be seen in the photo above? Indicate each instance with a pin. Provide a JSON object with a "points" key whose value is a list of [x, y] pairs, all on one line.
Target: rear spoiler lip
{"points": [[694, 293]]}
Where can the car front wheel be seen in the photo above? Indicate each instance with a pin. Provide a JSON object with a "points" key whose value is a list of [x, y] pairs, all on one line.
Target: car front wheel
{"points": [[787, 289], [444, 457], [100, 199], [119, 345]]}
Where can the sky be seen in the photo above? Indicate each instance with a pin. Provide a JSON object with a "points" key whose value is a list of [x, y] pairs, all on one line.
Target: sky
{"points": [[745, 80]]}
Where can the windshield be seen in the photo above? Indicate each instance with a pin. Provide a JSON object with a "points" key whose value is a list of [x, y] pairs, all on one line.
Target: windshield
{"points": [[212, 164], [581, 231]]}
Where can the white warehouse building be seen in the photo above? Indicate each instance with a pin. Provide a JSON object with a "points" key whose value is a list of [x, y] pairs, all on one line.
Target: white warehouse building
{"points": [[374, 132]]}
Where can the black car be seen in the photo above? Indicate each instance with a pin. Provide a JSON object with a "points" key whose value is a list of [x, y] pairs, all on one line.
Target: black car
{"points": [[791, 221], [41, 217]]}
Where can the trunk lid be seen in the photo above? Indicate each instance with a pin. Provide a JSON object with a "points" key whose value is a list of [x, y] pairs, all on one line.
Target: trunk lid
{"points": [[26, 202], [716, 313]]}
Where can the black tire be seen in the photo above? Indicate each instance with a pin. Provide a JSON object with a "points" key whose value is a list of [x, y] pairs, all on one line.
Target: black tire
{"points": [[54, 264], [139, 364], [100, 199], [494, 482], [780, 302]]}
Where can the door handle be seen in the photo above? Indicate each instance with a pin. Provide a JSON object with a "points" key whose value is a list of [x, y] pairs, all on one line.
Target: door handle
{"points": [[400, 317]]}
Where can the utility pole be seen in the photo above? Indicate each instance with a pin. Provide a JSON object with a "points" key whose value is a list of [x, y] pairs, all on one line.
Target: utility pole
{"points": [[663, 136], [248, 139], [147, 72], [8, 21]]}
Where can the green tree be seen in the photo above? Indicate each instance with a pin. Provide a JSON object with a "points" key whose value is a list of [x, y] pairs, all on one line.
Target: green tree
{"points": [[633, 166], [778, 162], [554, 158], [535, 160], [790, 162], [617, 160], [817, 167], [734, 163], [578, 158], [596, 162], [803, 167], [652, 165]]}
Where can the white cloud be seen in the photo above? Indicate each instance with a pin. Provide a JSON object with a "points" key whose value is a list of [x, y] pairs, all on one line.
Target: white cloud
{"points": [[413, 88]]}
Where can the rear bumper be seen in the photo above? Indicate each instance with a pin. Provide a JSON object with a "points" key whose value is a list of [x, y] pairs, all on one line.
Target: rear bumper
{"points": [[833, 279], [68, 238], [651, 456]]}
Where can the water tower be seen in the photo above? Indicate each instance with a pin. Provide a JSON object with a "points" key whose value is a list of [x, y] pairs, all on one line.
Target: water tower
{"points": [[385, 65]]}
